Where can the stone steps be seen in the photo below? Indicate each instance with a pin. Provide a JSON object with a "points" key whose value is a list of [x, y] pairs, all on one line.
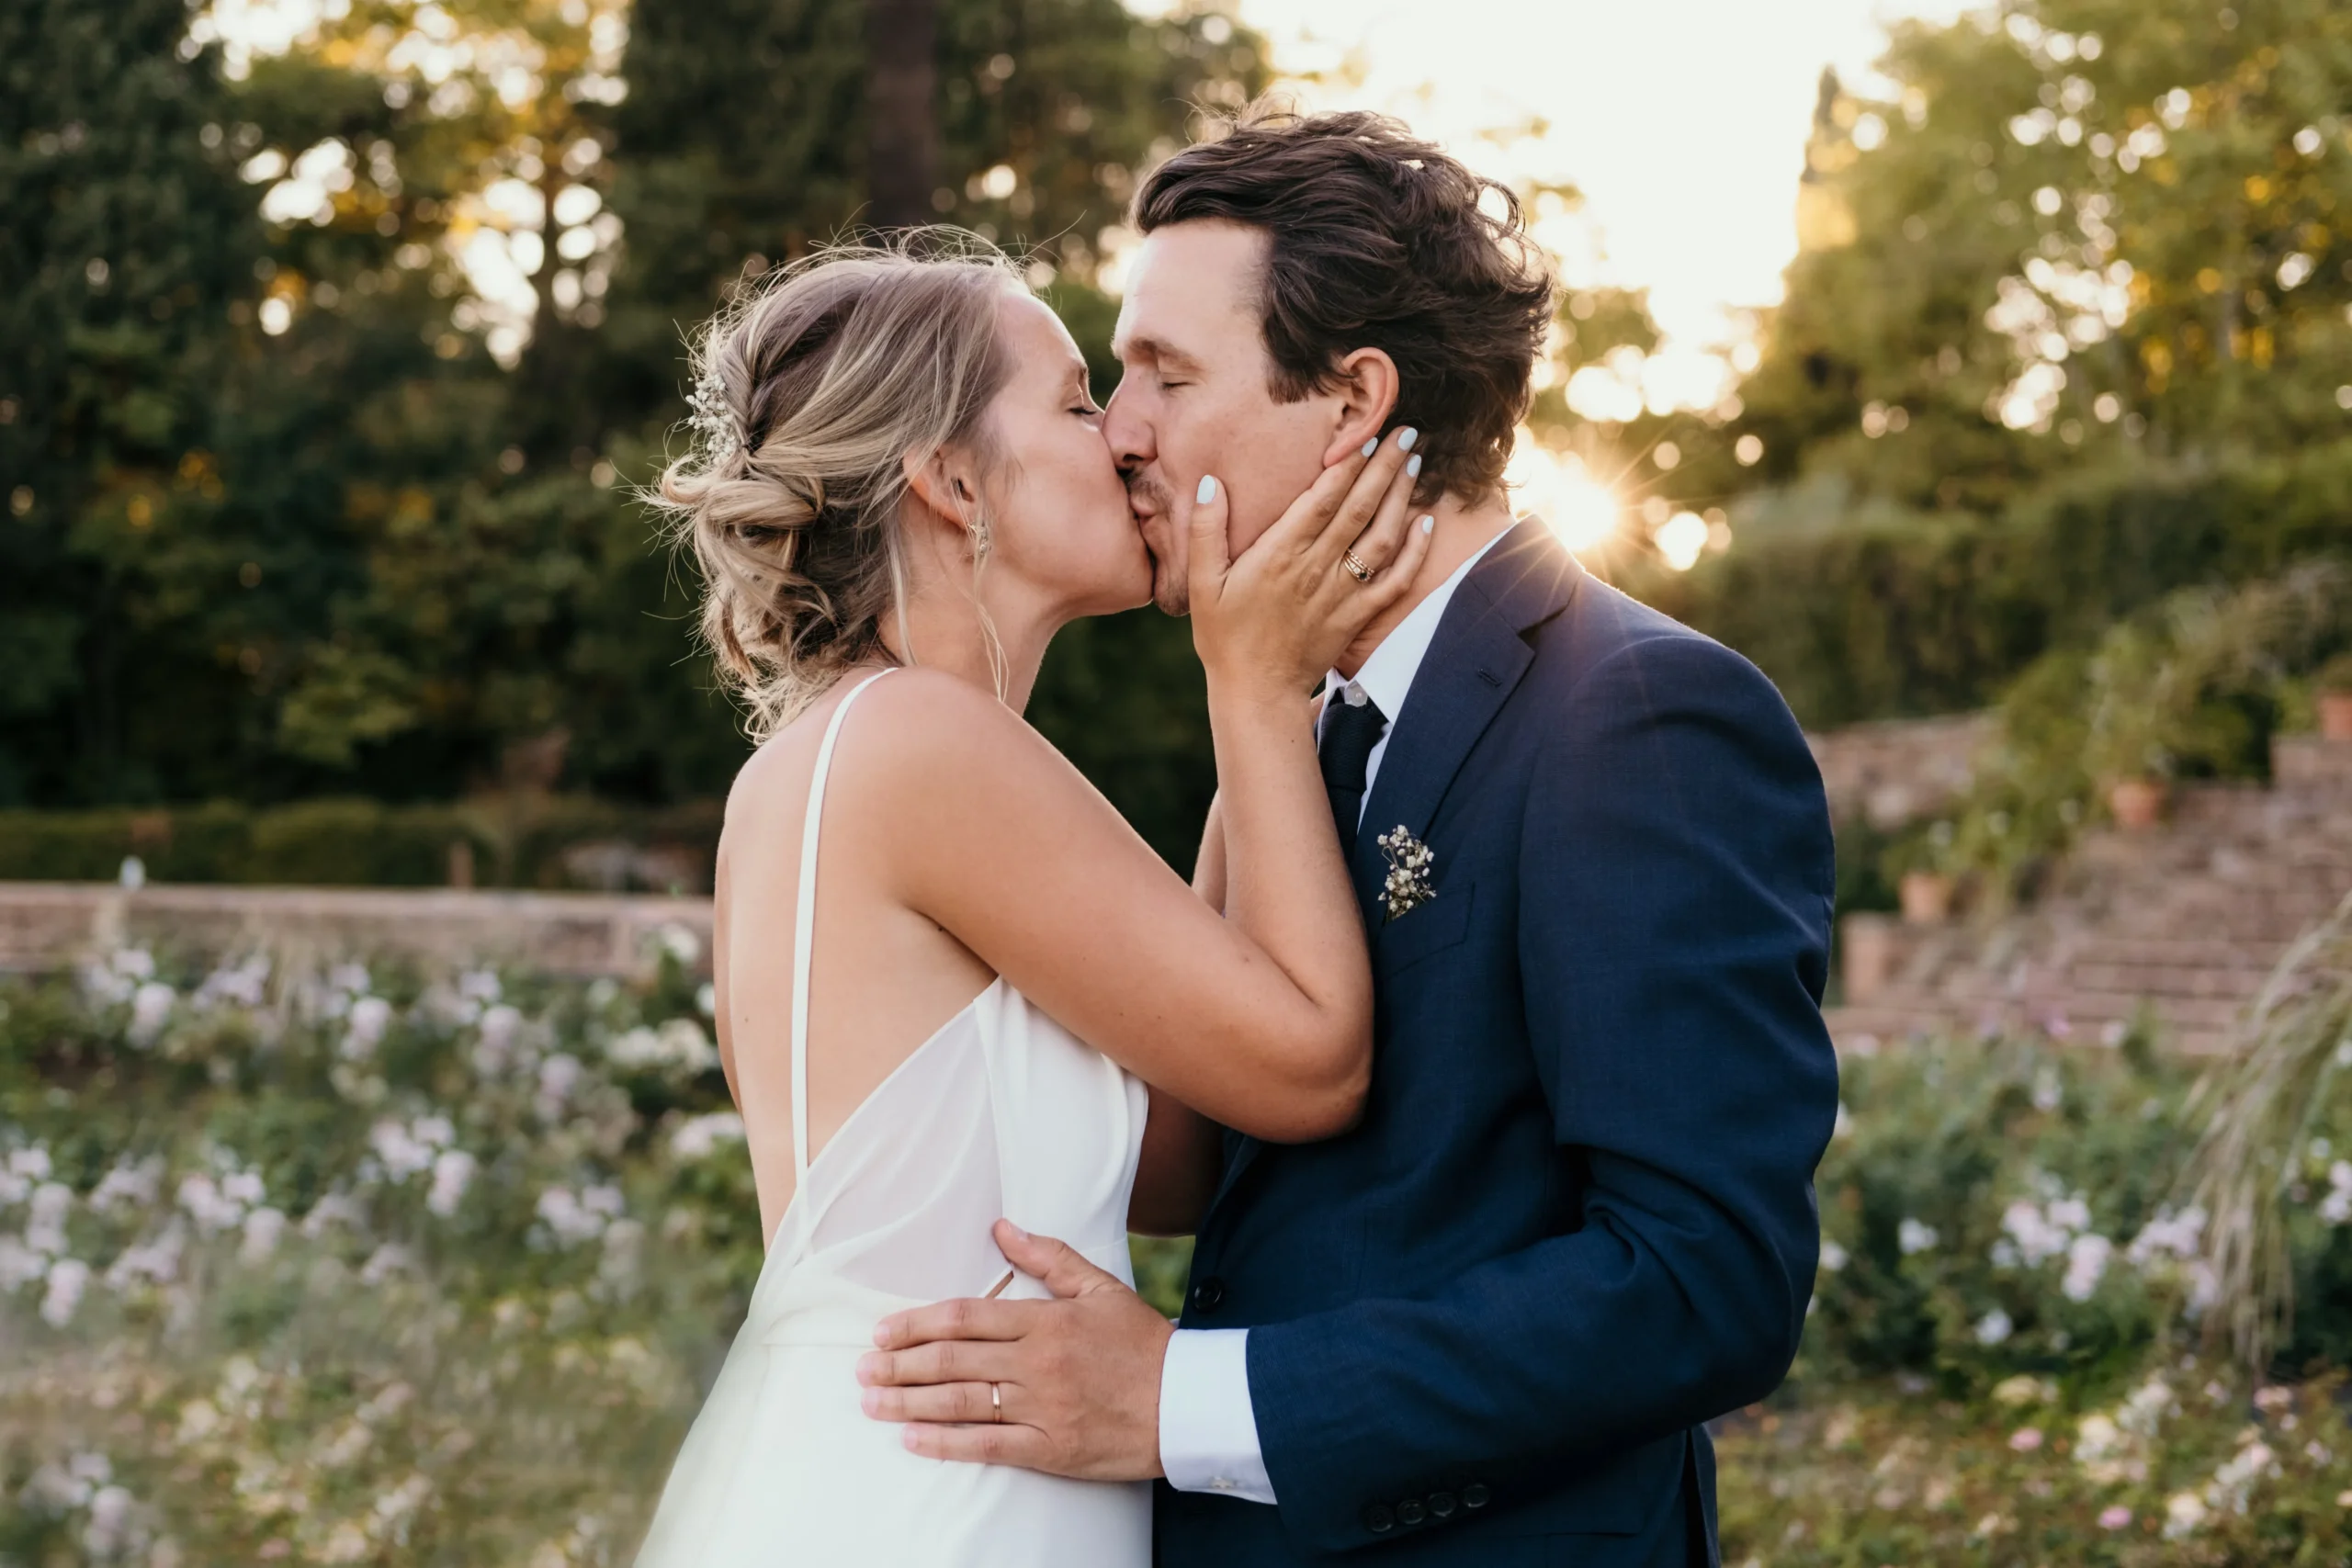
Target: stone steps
{"points": [[2185, 921]]}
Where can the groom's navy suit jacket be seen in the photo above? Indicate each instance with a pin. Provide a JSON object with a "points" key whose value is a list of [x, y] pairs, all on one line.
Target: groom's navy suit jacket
{"points": [[1577, 1219]]}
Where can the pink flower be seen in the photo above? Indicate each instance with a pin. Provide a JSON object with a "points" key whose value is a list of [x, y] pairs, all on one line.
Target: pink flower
{"points": [[2025, 1439], [2114, 1518]]}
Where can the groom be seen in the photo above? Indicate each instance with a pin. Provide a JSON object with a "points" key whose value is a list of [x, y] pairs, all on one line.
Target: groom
{"points": [[1576, 1221]]}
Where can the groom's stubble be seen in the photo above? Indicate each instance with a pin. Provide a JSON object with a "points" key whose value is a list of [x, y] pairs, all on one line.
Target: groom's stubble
{"points": [[1153, 505]]}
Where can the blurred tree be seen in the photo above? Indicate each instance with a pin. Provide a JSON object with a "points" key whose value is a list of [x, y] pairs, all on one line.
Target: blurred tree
{"points": [[332, 495], [2078, 228], [902, 124], [126, 242]]}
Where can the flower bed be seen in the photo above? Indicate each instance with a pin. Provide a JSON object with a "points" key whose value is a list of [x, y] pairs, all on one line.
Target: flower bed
{"points": [[370, 1267]]}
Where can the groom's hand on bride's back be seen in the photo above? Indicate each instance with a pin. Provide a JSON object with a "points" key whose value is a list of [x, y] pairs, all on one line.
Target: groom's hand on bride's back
{"points": [[1078, 1376]]}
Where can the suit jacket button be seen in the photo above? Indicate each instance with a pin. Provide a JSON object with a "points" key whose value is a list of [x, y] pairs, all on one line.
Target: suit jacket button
{"points": [[1208, 1295], [1411, 1512], [1378, 1519], [1442, 1504], [1475, 1495]]}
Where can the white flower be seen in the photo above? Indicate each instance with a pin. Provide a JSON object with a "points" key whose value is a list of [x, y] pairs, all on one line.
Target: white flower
{"points": [[1833, 1256], [1994, 1327], [2085, 1264], [567, 1217], [45, 1219], [134, 1184], [706, 999], [133, 964], [679, 942], [679, 1046], [2147, 1406], [371, 1016], [1911, 1236], [2038, 1236], [2184, 1511], [385, 1262], [67, 1278], [2168, 1234], [108, 1532], [32, 1163], [334, 1209], [151, 1009], [500, 1027], [402, 1152], [208, 1205], [156, 1261], [697, 1136], [558, 1075], [480, 986], [453, 1170], [241, 983], [263, 1228], [19, 1264]]}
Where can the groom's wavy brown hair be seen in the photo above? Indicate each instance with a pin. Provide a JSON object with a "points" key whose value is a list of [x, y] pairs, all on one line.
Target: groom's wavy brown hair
{"points": [[1379, 240]]}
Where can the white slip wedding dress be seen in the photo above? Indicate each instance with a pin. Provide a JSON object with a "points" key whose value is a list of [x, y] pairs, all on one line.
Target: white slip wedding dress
{"points": [[1000, 1113]]}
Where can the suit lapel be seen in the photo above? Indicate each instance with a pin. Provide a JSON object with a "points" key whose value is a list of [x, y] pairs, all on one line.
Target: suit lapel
{"points": [[1473, 663]]}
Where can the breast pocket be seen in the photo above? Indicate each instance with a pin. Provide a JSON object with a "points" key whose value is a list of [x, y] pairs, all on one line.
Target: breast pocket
{"points": [[1433, 927]]}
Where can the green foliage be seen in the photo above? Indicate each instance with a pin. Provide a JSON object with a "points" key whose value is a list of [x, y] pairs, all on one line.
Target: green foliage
{"points": [[2075, 227], [302, 514], [547, 841], [388, 1266], [1895, 614], [2190, 1466]]}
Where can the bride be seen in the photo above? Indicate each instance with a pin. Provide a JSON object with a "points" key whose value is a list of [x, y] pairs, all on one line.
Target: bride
{"points": [[901, 492]]}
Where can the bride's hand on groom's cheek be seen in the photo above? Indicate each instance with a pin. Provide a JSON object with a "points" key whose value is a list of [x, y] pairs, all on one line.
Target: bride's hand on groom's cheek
{"points": [[1078, 1376]]}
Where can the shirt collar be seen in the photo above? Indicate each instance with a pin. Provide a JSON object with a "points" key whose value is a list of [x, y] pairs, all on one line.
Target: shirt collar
{"points": [[1387, 673]]}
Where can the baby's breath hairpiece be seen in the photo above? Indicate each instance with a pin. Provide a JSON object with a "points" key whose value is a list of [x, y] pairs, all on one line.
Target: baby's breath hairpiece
{"points": [[712, 419]]}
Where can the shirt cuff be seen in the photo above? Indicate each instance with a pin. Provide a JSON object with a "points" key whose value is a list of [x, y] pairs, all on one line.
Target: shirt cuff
{"points": [[1208, 1434]]}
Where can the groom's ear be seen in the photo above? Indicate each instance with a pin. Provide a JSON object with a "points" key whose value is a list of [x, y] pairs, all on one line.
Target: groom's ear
{"points": [[1365, 390]]}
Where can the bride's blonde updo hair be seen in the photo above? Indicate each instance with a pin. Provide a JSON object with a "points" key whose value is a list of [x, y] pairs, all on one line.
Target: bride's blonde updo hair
{"points": [[810, 388]]}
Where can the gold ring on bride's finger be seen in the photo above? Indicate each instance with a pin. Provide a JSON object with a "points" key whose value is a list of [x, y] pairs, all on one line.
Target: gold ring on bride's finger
{"points": [[996, 1400], [1354, 567]]}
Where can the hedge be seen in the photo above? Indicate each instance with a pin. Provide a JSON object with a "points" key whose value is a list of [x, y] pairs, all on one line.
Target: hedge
{"points": [[552, 842], [1886, 616]]}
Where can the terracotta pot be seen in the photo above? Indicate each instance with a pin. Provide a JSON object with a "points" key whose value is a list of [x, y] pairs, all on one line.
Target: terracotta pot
{"points": [[1866, 955], [2335, 716], [2138, 804], [1926, 896]]}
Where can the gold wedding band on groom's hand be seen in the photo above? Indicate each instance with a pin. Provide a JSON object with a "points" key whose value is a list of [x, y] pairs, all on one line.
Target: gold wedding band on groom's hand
{"points": [[996, 1401], [1354, 567]]}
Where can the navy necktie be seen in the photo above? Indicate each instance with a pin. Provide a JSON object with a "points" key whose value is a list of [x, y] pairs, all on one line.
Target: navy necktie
{"points": [[1350, 732]]}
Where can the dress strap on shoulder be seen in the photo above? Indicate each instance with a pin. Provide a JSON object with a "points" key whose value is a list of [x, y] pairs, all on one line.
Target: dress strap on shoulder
{"points": [[804, 932]]}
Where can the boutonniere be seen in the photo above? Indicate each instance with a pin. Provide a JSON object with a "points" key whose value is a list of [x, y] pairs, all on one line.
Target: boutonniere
{"points": [[1408, 886]]}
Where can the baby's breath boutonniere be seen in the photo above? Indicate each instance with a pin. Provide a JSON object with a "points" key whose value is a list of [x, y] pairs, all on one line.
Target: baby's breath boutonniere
{"points": [[1408, 886]]}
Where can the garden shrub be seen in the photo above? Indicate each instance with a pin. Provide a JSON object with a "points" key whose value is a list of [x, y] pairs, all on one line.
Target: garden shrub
{"points": [[1901, 614], [551, 841]]}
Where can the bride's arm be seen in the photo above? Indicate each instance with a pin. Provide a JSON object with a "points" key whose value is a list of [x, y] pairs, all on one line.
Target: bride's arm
{"points": [[1260, 1020]]}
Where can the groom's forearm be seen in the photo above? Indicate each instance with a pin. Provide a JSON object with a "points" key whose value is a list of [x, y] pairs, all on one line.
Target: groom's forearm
{"points": [[1653, 1318]]}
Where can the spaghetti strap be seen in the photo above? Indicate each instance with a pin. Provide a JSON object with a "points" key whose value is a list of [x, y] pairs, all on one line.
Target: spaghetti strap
{"points": [[804, 932]]}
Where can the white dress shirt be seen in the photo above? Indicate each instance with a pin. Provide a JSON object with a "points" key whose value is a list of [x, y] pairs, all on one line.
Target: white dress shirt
{"points": [[1208, 1433]]}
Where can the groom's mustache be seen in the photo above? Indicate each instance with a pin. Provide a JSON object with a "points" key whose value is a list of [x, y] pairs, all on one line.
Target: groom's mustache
{"points": [[1146, 497]]}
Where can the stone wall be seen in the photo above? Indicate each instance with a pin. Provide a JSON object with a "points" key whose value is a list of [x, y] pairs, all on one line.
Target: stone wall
{"points": [[1901, 770], [51, 925]]}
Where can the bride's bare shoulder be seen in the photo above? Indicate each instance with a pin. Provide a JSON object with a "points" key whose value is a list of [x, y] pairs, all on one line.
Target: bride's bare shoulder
{"points": [[915, 731]]}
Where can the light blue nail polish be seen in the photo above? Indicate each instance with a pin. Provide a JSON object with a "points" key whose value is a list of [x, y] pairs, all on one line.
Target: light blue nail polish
{"points": [[1371, 446], [1413, 466], [1405, 442], [1428, 524], [1207, 493]]}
